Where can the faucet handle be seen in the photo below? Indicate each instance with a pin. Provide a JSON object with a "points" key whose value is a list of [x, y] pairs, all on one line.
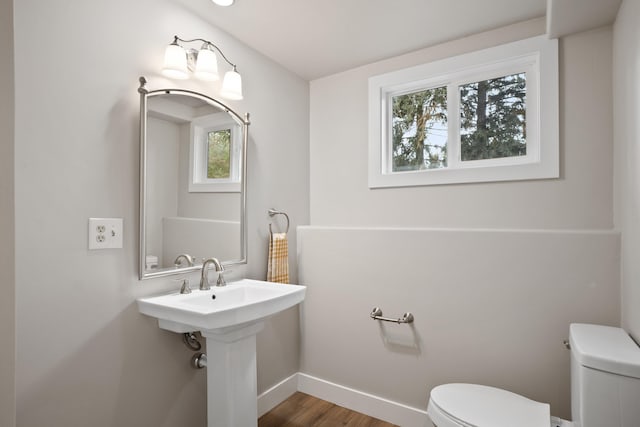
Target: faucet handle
{"points": [[221, 280], [184, 285]]}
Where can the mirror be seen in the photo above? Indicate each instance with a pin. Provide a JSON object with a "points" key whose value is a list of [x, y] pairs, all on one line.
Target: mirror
{"points": [[193, 152]]}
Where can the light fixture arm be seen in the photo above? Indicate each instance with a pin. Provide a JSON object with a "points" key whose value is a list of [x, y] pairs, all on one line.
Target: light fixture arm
{"points": [[176, 39]]}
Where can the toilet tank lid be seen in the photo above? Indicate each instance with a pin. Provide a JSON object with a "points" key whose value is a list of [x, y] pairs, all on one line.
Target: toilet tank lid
{"points": [[605, 348]]}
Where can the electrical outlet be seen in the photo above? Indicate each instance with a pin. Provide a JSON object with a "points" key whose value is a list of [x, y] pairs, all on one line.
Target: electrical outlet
{"points": [[105, 233]]}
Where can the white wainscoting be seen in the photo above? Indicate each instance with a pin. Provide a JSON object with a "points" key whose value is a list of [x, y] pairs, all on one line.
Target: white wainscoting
{"points": [[491, 307]]}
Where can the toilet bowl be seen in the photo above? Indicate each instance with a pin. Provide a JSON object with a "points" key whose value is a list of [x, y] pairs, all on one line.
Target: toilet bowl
{"points": [[605, 389], [473, 405]]}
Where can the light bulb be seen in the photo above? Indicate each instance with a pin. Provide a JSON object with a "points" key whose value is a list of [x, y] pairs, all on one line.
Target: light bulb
{"points": [[175, 62], [207, 65], [232, 85]]}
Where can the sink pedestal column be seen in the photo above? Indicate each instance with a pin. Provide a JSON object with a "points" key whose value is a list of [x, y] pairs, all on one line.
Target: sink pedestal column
{"points": [[232, 391]]}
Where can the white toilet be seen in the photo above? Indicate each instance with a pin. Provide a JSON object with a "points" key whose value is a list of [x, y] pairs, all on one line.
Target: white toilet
{"points": [[605, 389]]}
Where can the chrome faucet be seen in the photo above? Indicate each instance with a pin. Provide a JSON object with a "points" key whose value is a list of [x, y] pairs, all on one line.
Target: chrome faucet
{"points": [[186, 257], [204, 277]]}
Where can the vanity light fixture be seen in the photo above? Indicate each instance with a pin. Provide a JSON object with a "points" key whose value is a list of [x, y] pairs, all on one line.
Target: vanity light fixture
{"points": [[223, 2], [178, 62]]}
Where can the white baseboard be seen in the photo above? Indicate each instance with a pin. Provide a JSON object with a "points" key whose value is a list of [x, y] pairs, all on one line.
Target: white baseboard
{"points": [[368, 404], [277, 394], [374, 406]]}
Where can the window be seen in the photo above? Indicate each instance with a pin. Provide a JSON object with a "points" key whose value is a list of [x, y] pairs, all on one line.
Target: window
{"points": [[493, 118], [214, 154], [490, 115], [419, 130]]}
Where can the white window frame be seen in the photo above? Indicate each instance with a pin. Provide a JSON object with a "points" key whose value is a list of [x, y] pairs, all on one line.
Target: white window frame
{"points": [[198, 155], [537, 56]]}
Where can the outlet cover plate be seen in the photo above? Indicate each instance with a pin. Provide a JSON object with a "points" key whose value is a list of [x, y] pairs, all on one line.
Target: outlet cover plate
{"points": [[105, 233]]}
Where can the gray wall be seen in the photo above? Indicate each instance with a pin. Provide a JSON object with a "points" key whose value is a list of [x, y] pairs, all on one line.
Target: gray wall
{"points": [[626, 65], [582, 198], [494, 273], [7, 235], [85, 356]]}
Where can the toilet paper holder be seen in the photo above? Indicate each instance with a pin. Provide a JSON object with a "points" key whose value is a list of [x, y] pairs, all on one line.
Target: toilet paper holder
{"points": [[376, 314]]}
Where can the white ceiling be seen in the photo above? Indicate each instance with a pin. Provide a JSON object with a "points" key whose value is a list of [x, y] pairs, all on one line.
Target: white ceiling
{"points": [[316, 38]]}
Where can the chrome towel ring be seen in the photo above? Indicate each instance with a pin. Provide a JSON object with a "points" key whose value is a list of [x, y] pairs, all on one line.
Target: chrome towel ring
{"points": [[273, 212]]}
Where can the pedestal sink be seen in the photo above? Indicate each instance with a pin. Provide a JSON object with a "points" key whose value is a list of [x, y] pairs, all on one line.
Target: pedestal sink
{"points": [[229, 318]]}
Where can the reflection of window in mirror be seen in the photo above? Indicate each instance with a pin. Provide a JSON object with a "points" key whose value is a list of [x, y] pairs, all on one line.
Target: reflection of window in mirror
{"points": [[215, 154], [219, 154]]}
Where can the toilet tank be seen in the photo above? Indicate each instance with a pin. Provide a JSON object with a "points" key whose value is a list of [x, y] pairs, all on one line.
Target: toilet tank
{"points": [[605, 377]]}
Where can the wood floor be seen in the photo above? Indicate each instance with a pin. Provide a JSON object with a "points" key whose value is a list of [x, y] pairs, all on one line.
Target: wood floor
{"points": [[302, 410]]}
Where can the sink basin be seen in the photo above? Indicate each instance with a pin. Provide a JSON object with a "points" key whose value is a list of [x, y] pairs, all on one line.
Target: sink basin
{"points": [[221, 308]]}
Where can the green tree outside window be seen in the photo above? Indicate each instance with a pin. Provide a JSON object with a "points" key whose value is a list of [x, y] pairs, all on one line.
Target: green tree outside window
{"points": [[420, 130], [493, 118], [219, 154]]}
